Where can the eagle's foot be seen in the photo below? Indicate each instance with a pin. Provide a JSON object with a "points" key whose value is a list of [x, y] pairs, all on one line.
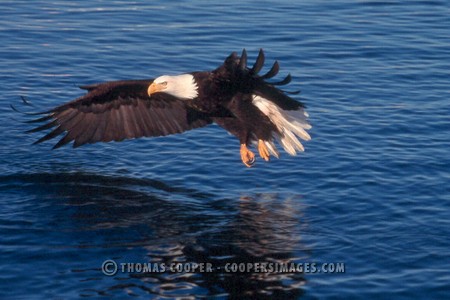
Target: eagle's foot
{"points": [[247, 156], [263, 151]]}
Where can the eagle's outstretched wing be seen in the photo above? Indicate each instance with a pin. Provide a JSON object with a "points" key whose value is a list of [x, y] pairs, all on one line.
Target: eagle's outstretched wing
{"points": [[118, 110], [265, 112]]}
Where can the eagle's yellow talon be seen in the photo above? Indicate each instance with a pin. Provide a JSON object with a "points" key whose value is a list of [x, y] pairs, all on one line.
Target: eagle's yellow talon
{"points": [[247, 156], [263, 151]]}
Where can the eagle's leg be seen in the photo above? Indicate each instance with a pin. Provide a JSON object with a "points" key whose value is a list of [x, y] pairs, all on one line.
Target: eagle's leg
{"points": [[247, 156], [263, 151]]}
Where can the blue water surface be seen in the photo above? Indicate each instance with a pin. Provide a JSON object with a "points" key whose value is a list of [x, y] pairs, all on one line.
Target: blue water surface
{"points": [[371, 191]]}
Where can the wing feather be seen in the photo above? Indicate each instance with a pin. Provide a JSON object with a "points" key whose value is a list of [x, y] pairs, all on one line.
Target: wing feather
{"points": [[52, 134], [285, 81], [108, 134], [259, 63], [86, 135], [100, 129], [65, 140], [140, 123], [243, 60], [273, 71]]}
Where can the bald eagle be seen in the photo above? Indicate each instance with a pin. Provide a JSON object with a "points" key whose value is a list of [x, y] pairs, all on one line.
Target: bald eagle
{"points": [[233, 96]]}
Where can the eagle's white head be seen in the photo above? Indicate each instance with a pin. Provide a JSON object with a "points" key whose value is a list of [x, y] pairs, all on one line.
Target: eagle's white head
{"points": [[180, 86]]}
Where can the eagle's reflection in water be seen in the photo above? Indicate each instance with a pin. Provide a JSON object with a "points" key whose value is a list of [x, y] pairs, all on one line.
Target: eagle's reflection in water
{"points": [[151, 222]]}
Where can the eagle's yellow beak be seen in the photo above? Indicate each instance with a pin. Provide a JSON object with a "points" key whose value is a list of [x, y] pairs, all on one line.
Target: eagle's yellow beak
{"points": [[156, 87]]}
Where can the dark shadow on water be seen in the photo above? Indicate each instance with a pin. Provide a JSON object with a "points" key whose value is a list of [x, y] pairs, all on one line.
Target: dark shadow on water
{"points": [[149, 221]]}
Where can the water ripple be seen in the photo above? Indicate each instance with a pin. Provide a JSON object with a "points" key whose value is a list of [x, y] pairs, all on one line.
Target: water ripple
{"points": [[370, 190]]}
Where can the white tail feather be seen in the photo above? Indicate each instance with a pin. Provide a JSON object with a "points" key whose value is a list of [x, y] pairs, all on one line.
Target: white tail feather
{"points": [[290, 124]]}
